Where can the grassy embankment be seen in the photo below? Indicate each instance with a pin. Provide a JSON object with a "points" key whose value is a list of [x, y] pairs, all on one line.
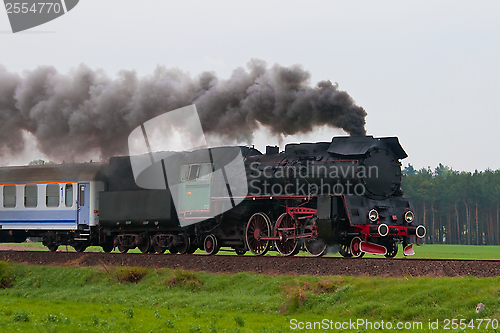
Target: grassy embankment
{"points": [[435, 251], [106, 299]]}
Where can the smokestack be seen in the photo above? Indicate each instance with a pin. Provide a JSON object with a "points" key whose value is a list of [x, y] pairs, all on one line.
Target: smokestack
{"points": [[85, 111]]}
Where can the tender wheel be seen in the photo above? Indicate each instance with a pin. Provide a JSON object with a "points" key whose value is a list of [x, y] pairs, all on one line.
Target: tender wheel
{"points": [[192, 249], [79, 247], [145, 244], [356, 248], [240, 252], [210, 244], [160, 249], [258, 226], [107, 247], [392, 250], [119, 245], [344, 251], [315, 247], [157, 248], [122, 248], [173, 250], [183, 248], [52, 247], [285, 229]]}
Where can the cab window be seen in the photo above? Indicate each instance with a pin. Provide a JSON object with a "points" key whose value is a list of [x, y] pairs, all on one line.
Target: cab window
{"points": [[184, 172], [205, 171], [193, 171]]}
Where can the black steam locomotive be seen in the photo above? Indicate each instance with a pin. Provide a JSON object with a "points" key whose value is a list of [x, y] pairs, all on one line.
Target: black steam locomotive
{"points": [[344, 193]]}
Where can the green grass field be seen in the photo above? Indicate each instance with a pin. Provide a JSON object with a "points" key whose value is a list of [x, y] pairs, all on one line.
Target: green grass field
{"points": [[106, 299], [445, 251], [436, 251], [457, 251]]}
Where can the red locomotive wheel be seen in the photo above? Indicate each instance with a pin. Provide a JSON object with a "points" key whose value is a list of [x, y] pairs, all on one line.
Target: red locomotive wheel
{"points": [[258, 226], [315, 247], [285, 229], [356, 248], [211, 246]]}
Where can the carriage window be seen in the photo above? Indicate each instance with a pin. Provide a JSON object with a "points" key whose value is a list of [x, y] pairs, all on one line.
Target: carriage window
{"points": [[193, 172], [184, 173], [69, 195], [52, 197], [9, 196], [30, 195], [205, 171]]}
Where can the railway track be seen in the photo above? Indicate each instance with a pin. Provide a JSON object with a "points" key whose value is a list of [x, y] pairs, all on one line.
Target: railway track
{"points": [[271, 265]]}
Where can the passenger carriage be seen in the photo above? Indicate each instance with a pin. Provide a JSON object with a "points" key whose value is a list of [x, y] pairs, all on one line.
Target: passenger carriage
{"points": [[59, 202]]}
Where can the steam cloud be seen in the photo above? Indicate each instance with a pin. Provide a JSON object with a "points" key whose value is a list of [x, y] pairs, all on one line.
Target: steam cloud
{"points": [[87, 112]]}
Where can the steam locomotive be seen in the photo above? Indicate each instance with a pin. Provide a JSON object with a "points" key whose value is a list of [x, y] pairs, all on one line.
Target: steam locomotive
{"points": [[345, 193]]}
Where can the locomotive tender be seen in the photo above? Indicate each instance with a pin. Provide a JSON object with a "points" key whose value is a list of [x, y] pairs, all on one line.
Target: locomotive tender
{"points": [[345, 193]]}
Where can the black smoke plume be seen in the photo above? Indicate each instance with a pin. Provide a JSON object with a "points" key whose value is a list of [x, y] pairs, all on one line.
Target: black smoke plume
{"points": [[85, 111]]}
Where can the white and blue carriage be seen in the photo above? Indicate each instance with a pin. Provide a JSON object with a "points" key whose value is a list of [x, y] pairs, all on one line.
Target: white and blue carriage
{"points": [[50, 201]]}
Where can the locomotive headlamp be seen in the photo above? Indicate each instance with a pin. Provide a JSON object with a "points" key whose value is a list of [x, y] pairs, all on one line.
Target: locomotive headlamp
{"points": [[409, 216], [421, 231], [373, 215], [383, 230]]}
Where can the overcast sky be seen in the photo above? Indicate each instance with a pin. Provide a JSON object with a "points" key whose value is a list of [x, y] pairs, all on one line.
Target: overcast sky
{"points": [[427, 72]]}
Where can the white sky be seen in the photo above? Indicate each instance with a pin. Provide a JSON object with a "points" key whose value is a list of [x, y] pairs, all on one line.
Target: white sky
{"points": [[425, 71]]}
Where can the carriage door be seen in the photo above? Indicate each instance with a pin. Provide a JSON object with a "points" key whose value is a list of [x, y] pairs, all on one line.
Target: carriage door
{"points": [[83, 203]]}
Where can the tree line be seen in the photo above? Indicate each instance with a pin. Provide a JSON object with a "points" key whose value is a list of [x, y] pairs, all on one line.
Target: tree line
{"points": [[455, 207]]}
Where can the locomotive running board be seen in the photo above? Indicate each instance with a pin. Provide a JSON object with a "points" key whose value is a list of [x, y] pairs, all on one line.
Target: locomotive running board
{"points": [[408, 251], [372, 248]]}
